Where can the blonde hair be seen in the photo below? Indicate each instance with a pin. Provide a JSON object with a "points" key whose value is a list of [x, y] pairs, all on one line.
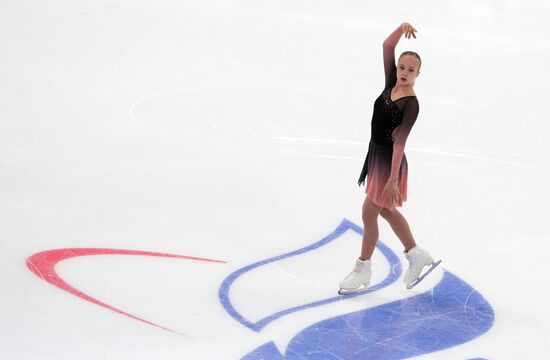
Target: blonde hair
{"points": [[412, 53]]}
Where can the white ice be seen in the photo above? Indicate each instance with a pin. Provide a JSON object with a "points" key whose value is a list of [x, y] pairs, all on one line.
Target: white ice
{"points": [[235, 130]]}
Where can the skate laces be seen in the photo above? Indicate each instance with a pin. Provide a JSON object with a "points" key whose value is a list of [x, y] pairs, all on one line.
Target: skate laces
{"points": [[359, 268]]}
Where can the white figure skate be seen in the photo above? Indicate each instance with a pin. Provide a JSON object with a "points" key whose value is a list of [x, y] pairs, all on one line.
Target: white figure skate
{"points": [[358, 279], [418, 259]]}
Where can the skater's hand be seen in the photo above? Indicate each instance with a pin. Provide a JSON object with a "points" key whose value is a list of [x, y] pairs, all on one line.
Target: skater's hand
{"points": [[391, 192], [408, 30]]}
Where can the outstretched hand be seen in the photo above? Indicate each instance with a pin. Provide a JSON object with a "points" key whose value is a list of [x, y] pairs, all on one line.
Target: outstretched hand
{"points": [[408, 30]]}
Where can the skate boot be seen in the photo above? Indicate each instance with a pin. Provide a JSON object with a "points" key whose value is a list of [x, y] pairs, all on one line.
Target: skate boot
{"points": [[418, 259], [358, 279]]}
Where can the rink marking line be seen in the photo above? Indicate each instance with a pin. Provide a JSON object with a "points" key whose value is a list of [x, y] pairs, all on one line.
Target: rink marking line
{"points": [[517, 173], [325, 140], [334, 141], [184, 90], [8, 13], [278, 268], [43, 264], [162, 93], [337, 157], [346, 225], [412, 149]]}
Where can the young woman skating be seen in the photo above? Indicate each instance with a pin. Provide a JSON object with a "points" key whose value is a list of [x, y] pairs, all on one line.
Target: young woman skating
{"points": [[385, 168]]}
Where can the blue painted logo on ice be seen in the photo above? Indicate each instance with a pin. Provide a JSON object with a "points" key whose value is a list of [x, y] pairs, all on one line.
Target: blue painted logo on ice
{"points": [[450, 314]]}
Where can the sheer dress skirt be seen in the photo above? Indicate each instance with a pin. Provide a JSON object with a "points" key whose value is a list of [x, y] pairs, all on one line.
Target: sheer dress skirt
{"points": [[378, 172]]}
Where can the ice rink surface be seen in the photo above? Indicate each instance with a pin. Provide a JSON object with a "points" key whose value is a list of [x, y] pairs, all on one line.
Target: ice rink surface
{"points": [[231, 134]]}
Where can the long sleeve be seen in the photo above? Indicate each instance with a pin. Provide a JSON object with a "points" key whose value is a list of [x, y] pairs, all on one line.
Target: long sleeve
{"points": [[389, 54], [410, 114]]}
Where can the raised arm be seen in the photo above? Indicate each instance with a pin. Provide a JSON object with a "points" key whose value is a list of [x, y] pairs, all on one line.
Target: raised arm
{"points": [[410, 113], [389, 47], [389, 51]]}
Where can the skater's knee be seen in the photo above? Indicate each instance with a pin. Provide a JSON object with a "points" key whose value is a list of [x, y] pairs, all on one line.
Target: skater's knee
{"points": [[388, 214], [370, 221], [370, 211], [385, 213]]}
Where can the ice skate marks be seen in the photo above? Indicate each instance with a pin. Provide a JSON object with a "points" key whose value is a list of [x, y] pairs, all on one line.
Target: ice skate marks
{"points": [[450, 314]]}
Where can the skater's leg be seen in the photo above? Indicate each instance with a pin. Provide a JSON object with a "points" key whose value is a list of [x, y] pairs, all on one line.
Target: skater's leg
{"points": [[417, 257], [359, 278], [370, 228], [400, 227]]}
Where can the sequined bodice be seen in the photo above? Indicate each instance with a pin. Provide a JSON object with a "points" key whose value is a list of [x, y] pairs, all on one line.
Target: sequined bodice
{"points": [[386, 117]]}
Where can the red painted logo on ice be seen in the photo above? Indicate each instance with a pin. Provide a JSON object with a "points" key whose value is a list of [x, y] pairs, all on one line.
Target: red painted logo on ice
{"points": [[43, 265]]}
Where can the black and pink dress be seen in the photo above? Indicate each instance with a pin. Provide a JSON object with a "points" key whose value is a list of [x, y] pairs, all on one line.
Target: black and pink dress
{"points": [[391, 124]]}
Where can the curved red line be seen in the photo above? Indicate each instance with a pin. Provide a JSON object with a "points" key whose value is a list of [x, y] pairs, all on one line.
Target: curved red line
{"points": [[43, 264]]}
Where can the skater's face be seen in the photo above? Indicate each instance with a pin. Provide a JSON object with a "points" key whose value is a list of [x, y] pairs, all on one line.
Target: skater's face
{"points": [[408, 68]]}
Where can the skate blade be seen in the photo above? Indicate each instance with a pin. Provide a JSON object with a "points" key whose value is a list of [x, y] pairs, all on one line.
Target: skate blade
{"points": [[359, 290], [421, 277]]}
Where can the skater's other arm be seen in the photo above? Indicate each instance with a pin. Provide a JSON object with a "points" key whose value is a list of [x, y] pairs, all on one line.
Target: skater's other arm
{"points": [[410, 113]]}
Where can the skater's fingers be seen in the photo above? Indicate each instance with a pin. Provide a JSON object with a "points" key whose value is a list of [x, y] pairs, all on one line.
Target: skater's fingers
{"points": [[409, 31]]}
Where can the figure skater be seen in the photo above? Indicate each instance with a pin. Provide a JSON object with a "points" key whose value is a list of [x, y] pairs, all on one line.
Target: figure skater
{"points": [[395, 112]]}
